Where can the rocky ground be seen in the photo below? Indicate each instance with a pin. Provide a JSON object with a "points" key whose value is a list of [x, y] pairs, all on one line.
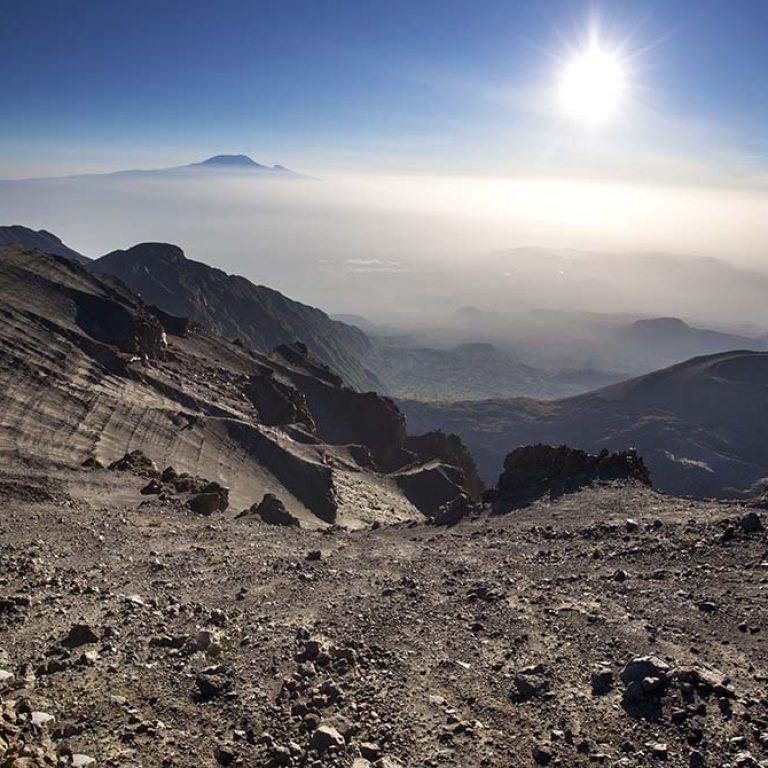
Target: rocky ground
{"points": [[134, 632]]}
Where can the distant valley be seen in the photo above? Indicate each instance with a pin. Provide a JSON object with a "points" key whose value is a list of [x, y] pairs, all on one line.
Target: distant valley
{"points": [[699, 425]]}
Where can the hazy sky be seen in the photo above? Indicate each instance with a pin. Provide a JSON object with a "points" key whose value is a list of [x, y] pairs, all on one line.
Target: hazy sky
{"points": [[439, 132], [434, 86]]}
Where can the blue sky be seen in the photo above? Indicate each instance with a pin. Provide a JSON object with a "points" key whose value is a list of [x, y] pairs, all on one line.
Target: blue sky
{"points": [[422, 85]]}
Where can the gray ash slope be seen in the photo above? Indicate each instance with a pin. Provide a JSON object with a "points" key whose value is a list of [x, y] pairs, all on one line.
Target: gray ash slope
{"points": [[700, 425], [234, 307], [88, 371]]}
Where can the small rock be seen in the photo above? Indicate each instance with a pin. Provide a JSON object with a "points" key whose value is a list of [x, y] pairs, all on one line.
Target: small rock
{"points": [[281, 755], [602, 681], [42, 719], [659, 750], [135, 600], [620, 575], [326, 737], [225, 755], [369, 750], [751, 523], [541, 755], [80, 634], [152, 488]]}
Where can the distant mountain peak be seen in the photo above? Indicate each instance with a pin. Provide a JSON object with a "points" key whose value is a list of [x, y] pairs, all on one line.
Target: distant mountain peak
{"points": [[229, 161], [239, 162], [661, 323], [147, 253]]}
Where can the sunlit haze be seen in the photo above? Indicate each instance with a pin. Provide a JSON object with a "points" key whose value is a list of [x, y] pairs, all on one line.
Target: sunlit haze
{"points": [[429, 137]]}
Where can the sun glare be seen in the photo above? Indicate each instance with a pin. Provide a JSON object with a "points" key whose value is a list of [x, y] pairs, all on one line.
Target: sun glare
{"points": [[592, 85]]}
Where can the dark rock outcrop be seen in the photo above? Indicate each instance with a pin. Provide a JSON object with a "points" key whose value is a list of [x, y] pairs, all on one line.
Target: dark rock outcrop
{"points": [[172, 324], [345, 417], [136, 462], [535, 470], [297, 354], [430, 486], [449, 449], [131, 330], [271, 510], [277, 402]]}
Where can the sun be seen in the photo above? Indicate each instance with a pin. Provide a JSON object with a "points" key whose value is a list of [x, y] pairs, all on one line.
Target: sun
{"points": [[592, 85]]}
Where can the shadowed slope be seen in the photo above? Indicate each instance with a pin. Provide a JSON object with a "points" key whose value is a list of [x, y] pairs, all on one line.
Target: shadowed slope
{"points": [[700, 425]]}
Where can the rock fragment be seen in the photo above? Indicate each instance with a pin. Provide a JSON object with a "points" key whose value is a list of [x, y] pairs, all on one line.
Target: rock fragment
{"points": [[325, 737]]}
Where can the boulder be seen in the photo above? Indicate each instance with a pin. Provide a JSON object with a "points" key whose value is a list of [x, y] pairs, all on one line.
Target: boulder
{"points": [[205, 503], [271, 510], [751, 523], [136, 462], [644, 666], [80, 634], [326, 737]]}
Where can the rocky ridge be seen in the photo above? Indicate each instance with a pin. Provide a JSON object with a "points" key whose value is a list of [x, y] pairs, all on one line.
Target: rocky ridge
{"points": [[235, 308]]}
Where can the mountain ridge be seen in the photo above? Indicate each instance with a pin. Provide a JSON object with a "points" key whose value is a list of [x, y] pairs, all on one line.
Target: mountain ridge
{"points": [[234, 163], [698, 424], [17, 234], [237, 308]]}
